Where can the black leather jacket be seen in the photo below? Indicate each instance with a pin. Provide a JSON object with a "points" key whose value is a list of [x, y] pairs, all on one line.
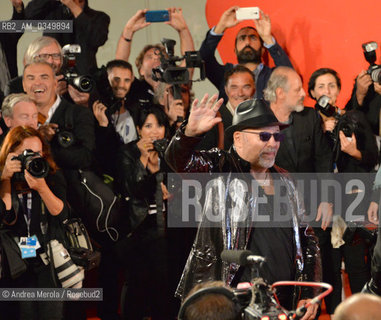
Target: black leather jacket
{"points": [[137, 184], [204, 261]]}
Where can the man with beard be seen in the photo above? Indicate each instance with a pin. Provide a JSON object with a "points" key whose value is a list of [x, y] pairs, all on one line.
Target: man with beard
{"points": [[305, 148], [249, 47], [115, 116]]}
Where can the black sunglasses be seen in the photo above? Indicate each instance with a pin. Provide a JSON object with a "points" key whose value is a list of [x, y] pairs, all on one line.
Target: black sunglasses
{"points": [[266, 136]]}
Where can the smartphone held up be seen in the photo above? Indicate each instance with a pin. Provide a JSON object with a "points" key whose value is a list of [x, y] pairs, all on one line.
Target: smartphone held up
{"points": [[250, 13], [157, 16]]}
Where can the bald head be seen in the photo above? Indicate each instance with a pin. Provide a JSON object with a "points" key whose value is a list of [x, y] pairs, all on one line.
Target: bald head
{"points": [[360, 306]]}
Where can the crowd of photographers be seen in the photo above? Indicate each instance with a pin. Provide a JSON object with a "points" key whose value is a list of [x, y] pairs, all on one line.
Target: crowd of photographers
{"points": [[109, 121]]}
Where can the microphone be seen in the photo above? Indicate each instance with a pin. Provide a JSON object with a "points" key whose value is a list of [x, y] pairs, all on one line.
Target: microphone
{"points": [[242, 257]]}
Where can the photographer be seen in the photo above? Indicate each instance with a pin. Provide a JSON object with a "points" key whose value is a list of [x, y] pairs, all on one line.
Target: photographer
{"points": [[140, 178], [49, 50], [366, 94], [175, 109], [90, 27], [40, 84], [143, 88], [115, 116], [356, 152], [25, 207], [366, 97]]}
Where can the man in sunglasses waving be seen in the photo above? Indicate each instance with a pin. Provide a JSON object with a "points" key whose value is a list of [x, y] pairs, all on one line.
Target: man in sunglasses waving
{"points": [[253, 206]]}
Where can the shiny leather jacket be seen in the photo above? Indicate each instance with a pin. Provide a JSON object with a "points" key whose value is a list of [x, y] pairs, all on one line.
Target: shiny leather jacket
{"points": [[204, 261]]}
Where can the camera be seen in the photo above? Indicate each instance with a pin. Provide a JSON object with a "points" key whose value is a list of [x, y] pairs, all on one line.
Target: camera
{"points": [[160, 145], [33, 162], [69, 274], [169, 72], [374, 70], [82, 83], [344, 123], [64, 137]]}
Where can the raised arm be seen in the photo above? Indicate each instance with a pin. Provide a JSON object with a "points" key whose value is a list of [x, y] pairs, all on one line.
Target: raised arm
{"points": [[177, 22], [136, 22]]}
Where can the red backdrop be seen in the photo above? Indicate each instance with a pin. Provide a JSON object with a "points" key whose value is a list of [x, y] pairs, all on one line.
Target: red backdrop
{"points": [[315, 34]]}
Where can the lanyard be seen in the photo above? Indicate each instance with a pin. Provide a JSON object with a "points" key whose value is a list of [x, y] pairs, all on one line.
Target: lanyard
{"points": [[26, 202]]}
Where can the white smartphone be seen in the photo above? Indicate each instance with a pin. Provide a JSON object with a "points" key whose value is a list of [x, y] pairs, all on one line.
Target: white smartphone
{"points": [[250, 13]]}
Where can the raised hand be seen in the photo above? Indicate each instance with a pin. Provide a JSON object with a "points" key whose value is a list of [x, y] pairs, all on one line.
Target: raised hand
{"points": [[136, 22], [363, 81], [263, 26], [176, 19], [202, 117], [227, 20], [99, 110]]}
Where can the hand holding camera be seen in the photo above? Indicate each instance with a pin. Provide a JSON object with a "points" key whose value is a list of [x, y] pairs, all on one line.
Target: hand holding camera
{"points": [[349, 145], [227, 20], [145, 146], [263, 26], [38, 184], [176, 19], [61, 85], [11, 166], [175, 111], [48, 130], [363, 82]]}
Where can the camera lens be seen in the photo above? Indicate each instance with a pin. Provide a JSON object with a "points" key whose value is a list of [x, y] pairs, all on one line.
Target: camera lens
{"points": [[83, 83], [38, 167], [376, 75], [65, 139]]}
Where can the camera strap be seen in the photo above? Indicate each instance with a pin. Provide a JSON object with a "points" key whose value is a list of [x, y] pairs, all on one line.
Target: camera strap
{"points": [[48, 245], [26, 203]]}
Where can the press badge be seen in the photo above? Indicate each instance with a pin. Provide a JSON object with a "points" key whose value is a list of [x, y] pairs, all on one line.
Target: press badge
{"points": [[28, 246]]}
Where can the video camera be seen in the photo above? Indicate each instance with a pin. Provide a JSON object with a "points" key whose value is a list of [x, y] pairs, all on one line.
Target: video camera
{"points": [[374, 70], [81, 83], [259, 301], [169, 72]]}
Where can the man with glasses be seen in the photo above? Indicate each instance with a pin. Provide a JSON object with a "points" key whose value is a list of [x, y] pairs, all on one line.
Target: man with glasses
{"points": [[49, 50], [256, 136]]}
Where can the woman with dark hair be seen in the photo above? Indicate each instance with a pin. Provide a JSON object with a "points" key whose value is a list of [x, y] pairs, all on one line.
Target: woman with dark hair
{"points": [[355, 151], [140, 178], [35, 208]]}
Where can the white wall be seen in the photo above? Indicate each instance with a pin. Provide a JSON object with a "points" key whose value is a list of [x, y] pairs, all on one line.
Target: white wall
{"points": [[120, 11]]}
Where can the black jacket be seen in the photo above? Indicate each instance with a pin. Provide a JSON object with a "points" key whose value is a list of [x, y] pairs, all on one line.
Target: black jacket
{"points": [[90, 29], [313, 151], [370, 107], [204, 262], [80, 122], [137, 184]]}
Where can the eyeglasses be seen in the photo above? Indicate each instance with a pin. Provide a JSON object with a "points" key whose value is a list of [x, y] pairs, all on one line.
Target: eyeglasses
{"points": [[45, 56], [266, 136]]}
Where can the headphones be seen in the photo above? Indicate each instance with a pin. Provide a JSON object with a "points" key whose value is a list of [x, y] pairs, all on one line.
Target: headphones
{"points": [[207, 291]]}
